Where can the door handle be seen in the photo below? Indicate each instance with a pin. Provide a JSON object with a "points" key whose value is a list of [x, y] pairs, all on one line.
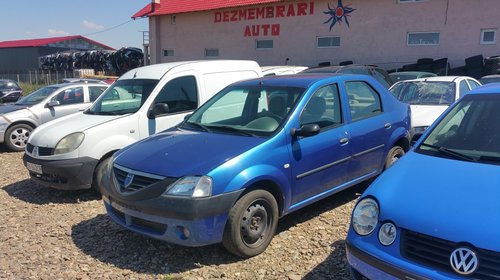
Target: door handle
{"points": [[344, 140], [387, 125]]}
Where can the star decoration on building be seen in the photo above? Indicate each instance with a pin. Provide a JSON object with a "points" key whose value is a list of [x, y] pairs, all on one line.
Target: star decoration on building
{"points": [[338, 14]]}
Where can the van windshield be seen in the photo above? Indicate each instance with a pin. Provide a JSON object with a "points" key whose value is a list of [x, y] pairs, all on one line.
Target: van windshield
{"points": [[123, 97]]}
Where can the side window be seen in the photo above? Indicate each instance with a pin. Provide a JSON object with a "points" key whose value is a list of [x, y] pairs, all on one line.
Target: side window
{"points": [[473, 84], [323, 108], [364, 101], [180, 94], [69, 96], [95, 92], [463, 88]]}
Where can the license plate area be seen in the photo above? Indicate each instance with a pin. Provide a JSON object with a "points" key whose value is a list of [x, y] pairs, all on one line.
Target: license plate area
{"points": [[33, 167]]}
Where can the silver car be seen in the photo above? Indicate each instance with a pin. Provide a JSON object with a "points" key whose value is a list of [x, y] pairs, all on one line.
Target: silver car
{"points": [[18, 120]]}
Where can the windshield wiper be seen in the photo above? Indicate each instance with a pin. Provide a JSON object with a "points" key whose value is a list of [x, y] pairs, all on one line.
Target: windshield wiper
{"points": [[489, 158], [198, 125], [233, 129], [450, 152]]}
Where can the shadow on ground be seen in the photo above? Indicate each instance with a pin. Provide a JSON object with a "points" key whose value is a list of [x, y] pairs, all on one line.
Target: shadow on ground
{"points": [[336, 264], [31, 192], [102, 239]]}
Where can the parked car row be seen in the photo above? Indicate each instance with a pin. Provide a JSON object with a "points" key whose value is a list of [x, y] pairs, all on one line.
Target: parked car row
{"points": [[205, 152]]}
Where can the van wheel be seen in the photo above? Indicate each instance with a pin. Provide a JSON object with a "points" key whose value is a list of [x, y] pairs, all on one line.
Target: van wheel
{"points": [[395, 153], [98, 173], [251, 224], [16, 137]]}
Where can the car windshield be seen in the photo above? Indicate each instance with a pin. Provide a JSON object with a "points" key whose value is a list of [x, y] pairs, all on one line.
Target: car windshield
{"points": [[123, 97], [470, 131], [245, 110], [425, 92], [37, 96], [8, 84]]}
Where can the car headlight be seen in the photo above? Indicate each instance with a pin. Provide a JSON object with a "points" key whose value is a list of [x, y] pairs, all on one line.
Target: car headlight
{"points": [[193, 186], [365, 216], [69, 143], [387, 233]]}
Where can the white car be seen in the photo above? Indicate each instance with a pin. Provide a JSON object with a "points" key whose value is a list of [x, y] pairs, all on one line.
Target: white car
{"points": [[19, 119], [281, 70], [429, 97], [72, 152]]}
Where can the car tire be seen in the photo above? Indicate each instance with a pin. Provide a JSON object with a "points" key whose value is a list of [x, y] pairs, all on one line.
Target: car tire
{"points": [[98, 173], [476, 61], [251, 224], [394, 154], [16, 137]]}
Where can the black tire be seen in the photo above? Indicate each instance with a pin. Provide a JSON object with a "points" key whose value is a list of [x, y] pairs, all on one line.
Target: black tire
{"points": [[425, 61], [394, 154], [16, 137], [251, 224], [347, 62], [474, 61], [410, 67], [492, 59], [98, 173]]}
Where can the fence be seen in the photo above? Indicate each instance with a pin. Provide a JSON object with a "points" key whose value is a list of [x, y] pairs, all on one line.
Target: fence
{"points": [[44, 77]]}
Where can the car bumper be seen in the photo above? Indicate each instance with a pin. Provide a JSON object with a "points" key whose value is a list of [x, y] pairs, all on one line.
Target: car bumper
{"points": [[372, 260], [70, 174], [179, 220]]}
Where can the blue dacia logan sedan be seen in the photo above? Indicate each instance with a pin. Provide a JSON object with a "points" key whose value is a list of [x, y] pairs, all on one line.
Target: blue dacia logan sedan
{"points": [[256, 151], [436, 213]]}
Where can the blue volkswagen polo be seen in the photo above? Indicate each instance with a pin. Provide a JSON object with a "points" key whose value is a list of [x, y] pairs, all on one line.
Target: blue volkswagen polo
{"points": [[256, 151], [436, 213]]}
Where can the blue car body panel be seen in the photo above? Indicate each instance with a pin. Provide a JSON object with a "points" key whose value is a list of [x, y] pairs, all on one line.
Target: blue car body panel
{"points": [[298, 170], [451, 201]]}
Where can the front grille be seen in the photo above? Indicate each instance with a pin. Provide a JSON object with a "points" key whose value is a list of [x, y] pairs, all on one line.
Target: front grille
{"points": [[42, 151], [435, 252], [29, 148], [140, 180]]}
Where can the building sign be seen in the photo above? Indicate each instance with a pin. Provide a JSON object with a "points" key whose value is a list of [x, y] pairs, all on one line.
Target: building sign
{"points": [[266, 12], [338, 14]]}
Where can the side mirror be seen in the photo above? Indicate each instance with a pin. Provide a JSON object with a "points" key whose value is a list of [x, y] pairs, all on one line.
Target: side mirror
{"points": [[415, 138], [306, 130], [158, 109], [53, 103]]}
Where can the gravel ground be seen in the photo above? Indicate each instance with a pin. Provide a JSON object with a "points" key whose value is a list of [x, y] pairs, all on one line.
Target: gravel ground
{"points": [[51, 234]]}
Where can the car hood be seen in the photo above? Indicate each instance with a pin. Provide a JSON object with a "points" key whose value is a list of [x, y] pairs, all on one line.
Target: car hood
{"points": [[48, 134], [7, 108], [445, 198], [177, 152], [425, 115]]}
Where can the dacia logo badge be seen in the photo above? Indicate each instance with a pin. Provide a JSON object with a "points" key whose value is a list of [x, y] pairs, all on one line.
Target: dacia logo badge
{"points": [[128, 180]]}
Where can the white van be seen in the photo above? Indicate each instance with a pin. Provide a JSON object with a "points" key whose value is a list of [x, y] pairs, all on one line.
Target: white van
{"points": [[71, 152]]}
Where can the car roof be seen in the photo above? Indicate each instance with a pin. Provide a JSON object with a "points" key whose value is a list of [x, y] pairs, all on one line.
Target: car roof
{"points": [[439, 79], [491, 76], [299, 80], [412, 73], [491, 88], [336, 68]]}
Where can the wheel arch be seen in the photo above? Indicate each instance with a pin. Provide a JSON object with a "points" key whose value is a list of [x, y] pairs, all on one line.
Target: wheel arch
{"points": [[270, 186]]}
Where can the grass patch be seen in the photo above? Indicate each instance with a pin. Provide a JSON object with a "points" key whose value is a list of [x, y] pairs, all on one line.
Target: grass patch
{"points": [[29, 88]]}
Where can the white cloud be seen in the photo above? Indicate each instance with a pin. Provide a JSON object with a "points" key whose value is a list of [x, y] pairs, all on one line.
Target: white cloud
{"points": [[54, 32], [91, 25]]}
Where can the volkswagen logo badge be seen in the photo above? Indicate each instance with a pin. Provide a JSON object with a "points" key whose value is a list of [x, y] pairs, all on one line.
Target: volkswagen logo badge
{"points": [[464, 261], [128, 180]]}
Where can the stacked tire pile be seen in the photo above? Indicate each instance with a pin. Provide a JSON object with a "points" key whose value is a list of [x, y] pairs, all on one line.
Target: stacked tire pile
{"points": [[492, 65], [438, 66], [113, 63]]}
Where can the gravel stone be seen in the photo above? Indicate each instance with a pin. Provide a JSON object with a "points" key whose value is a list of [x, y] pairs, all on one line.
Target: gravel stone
{"points": [[52, 234]]}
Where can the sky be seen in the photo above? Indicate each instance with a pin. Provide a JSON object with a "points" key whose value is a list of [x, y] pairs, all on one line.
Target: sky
{"points": [[106, 21]]}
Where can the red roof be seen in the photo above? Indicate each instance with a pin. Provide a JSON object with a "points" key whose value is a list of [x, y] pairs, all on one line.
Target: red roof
{"points": [[167, 7], [46, 41]]}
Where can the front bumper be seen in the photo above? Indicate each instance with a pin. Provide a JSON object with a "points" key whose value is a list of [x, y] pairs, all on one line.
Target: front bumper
{"points": [[68, 174], [180, 220]]}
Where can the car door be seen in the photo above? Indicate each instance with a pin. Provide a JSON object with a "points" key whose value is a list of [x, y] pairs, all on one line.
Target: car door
{"points": [[177, 98], [369, 129], [319, 162], [67, 101]]}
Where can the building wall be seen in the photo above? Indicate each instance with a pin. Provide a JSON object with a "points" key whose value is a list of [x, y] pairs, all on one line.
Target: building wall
{"points": [[377, 32]]}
